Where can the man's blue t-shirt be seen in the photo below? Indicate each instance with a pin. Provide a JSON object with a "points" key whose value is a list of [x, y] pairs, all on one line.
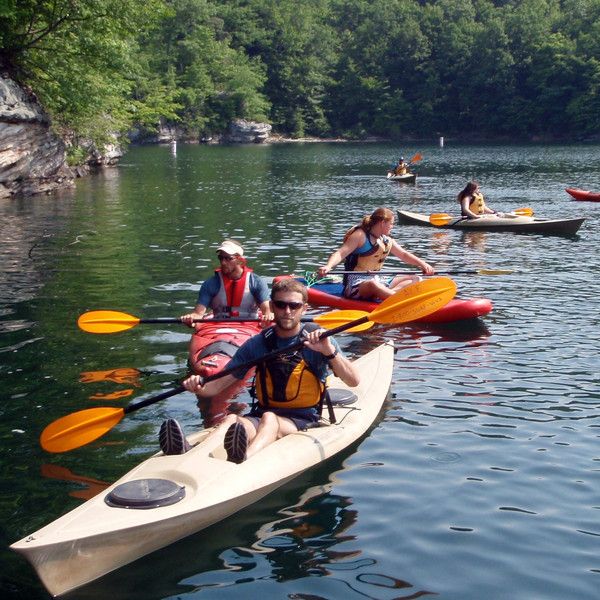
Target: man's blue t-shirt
{"points": [[210, 288], [256, 348]]}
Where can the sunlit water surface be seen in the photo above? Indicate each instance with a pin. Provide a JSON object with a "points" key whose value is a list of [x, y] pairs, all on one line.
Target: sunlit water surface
{"points": [[480, 480]]}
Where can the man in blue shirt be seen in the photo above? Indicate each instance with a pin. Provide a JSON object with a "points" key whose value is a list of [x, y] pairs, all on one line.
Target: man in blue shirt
{"points": [[233, 291]]}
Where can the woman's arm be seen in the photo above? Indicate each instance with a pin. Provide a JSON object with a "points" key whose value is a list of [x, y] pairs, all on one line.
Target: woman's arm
{"points": [[464, 207], [411, 259], [355, 240]]}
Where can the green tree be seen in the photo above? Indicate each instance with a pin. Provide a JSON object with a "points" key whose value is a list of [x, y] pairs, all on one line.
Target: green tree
{"points": [[77, 57], [190, 56]]}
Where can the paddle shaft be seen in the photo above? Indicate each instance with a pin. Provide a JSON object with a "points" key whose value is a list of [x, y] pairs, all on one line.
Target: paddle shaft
{"points": [[224, 320], [228, 371], [153, 399], [451, 272]]}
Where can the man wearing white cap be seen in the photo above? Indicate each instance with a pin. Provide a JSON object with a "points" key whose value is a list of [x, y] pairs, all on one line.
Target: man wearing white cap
{"points": [[233, 291]]}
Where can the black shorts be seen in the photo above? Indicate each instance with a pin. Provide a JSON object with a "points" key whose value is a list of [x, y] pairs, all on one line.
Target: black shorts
{"points": [[303, 418]]}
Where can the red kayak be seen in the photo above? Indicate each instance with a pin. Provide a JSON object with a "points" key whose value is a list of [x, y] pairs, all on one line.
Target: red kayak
{"points": [[211, 349], [583, 194], [330, 294]]}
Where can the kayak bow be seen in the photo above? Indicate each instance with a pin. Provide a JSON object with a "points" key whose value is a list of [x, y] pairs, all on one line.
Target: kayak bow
{"points": [[166, 498]]}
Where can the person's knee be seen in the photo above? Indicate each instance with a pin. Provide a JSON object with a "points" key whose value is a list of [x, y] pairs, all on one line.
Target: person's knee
{"points": [[268, 419], [229, 420], [370, 288]]}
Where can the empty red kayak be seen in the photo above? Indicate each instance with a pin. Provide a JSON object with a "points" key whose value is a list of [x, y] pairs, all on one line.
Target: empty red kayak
{"points": [[330, 294], [213, 344], [583, 194], [211, 348]]}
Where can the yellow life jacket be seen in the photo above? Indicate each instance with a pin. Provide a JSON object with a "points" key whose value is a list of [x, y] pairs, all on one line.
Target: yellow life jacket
{"points": [[286, 381], [369, 257], [477, 204]]}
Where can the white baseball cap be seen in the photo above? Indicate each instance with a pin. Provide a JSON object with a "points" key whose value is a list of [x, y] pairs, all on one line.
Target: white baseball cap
{"points": [[230, 247]]}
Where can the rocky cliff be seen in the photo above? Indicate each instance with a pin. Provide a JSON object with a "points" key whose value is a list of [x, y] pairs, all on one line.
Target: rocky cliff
{"points": [[32, 157]]}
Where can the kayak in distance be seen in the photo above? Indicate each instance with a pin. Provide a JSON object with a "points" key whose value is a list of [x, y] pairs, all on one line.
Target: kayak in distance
{"points": [[583, 194], [514, 223], [406, 178], [166, 498], [329, 293]]}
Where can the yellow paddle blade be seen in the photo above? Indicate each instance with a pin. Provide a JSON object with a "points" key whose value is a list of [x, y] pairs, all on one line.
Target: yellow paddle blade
{"points": [[523, 212], [494, 271], [106, 321], [439, 219], [79, 428], [415, 301], [341, 317]]}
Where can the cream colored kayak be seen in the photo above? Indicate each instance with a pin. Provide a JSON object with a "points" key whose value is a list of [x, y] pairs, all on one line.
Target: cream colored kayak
{"points": [[504, 223], [197, 488]]}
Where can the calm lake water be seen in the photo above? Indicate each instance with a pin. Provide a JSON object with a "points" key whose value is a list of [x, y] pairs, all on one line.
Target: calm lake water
{"points": [[480, 480]]}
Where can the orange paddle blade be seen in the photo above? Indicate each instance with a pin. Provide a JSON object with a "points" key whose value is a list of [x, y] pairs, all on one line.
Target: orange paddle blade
{"points": [[79, 428], [416, 158], [106, 321], [341, 317], [415, 301]]}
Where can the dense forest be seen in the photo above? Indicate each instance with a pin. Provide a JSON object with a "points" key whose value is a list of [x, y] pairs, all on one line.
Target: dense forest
{"points": [[395, 68]]}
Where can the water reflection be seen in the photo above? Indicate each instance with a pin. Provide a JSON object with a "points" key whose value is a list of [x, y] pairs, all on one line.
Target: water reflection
{"points": [[475, 240], [90, 487], [468, 330], [122, 375], [118, 395], [214, 410], [126, 375], [310, 541]]}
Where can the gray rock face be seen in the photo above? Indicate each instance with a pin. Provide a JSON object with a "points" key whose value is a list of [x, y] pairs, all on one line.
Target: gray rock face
{"points": [[248, 132], [32, 157]]}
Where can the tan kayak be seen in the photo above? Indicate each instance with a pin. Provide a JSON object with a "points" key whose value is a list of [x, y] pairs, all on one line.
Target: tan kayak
{"points": [[504, 223], [406, 178], [167, 498]]}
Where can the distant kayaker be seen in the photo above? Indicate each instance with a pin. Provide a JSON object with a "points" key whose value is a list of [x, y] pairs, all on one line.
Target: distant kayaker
{"points": [[233, 291], [289, 387], [364, 249], [401, 167], [472, 204]]}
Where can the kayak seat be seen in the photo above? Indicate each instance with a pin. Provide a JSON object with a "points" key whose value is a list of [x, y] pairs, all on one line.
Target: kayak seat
{"points": [[145, 494], [221, 347], [340, 397]]}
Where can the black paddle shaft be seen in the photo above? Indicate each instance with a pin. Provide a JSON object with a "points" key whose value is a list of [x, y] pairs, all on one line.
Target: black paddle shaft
{"points": [[393, 272], [223, 320]]}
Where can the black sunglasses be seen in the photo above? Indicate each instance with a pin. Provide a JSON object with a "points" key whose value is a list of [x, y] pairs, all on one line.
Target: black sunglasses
{"points": [[282, 304], [225, 257]]}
